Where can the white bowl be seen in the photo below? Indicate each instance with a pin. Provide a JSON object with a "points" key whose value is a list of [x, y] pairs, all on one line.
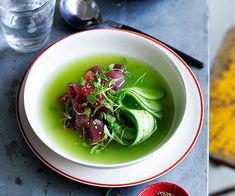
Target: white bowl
{"points": [[106, 41]]}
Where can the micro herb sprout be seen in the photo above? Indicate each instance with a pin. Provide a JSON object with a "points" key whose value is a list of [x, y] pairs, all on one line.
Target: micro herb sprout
{"points": [[103, 111]]}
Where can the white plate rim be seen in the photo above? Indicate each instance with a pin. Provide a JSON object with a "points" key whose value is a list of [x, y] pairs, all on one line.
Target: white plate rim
{"points": [[104, 184]]}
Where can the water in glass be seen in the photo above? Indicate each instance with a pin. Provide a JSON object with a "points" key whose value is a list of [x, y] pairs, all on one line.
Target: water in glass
{"points": [[26, 24]]}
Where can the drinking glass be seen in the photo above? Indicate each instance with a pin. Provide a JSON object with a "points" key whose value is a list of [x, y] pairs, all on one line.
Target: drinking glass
{"points": [[26, 24]]}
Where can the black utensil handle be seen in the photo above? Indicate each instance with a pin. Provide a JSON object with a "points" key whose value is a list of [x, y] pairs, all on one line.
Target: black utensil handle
{"points": [[188, 59]]}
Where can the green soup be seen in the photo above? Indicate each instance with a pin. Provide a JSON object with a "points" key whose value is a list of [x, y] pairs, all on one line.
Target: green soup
{"points": [[71, 141]]}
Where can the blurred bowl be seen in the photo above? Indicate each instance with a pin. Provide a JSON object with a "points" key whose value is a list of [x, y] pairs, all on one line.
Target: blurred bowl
{"points": [[163, 187]]}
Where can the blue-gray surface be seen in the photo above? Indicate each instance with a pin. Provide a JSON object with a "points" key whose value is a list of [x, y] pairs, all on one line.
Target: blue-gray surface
{"points": [[182, 23]]}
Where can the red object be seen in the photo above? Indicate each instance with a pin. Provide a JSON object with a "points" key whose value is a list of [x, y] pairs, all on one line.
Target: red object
{"points": [[87, 89], [89, 76], [158, 187]]}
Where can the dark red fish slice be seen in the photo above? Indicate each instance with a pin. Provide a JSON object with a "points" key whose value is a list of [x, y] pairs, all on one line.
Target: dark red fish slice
{"points": [[96, 131], [118, 67], [94, 69], [118, 79], [89, 76]]}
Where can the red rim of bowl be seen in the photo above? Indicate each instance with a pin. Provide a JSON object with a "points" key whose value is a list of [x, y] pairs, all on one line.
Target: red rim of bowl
{"points": [[102, 184], [157, 187]]}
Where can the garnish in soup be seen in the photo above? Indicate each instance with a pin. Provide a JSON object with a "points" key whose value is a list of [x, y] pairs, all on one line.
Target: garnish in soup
{"points": [[129, 103], [103, 111]]}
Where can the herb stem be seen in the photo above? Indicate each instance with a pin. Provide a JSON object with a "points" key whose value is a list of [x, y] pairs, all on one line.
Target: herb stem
{"points": [[140, 79]]}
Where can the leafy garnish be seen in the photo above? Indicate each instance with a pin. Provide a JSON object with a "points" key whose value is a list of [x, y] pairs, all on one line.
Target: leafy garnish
{"points": [[111, 119], [141, 78], [94, 121], [67, 109], [87, 111], [82, 81], [95, 148], [125, 64], [109, 67], [85, 145], [101, 111], [91, 98]]}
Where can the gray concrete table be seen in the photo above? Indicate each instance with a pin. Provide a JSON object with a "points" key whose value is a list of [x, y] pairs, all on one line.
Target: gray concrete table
{"points": [[182, 24]]}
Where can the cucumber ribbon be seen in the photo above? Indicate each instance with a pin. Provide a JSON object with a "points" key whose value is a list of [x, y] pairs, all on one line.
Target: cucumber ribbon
{"points": [[138, 111]]}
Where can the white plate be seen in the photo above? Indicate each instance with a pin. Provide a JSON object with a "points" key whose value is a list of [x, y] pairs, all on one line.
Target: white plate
{"points": [[132, 174], [103, 41]]}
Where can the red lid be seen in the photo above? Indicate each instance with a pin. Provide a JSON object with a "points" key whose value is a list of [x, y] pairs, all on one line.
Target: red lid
{"points": [[158, 187]]}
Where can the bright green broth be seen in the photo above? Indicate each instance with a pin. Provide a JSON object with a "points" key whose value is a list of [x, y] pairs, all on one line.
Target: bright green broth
{"points": [[71, 141]]}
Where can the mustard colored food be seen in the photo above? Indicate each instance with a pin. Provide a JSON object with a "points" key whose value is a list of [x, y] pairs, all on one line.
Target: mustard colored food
{"points": [[222, 112]]}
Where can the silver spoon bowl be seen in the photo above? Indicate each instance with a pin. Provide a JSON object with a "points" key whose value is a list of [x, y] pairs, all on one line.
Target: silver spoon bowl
{"points": [[81, 14]]}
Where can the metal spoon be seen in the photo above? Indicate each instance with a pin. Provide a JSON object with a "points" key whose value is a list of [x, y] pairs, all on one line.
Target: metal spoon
{"points": [[85, 14]]}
